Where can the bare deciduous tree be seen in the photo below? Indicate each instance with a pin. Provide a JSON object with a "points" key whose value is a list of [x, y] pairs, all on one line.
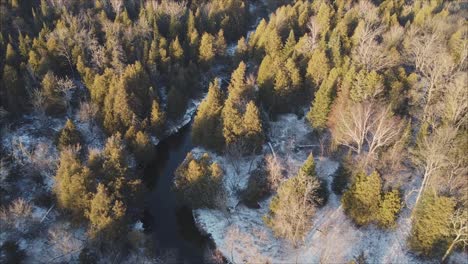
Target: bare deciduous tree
{"points": [[274, 168], [432, 155], [66, 87], [39, 102], [313, 35], [459, 230], [372, 55], [366, 126], [427, 51]]}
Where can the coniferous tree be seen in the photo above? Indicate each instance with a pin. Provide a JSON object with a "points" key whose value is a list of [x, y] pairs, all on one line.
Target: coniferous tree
{"points": [[318, 114], [158, 117], [199, 181], [361, 201], [13, 90], [253, 129], [72, 183], [207, 49], [106, 216], [431, 225], [177, 52], [69, 136], [207, 125]]}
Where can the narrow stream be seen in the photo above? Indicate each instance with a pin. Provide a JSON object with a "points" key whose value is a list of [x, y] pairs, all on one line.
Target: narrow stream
{"points": [[172, 226]]}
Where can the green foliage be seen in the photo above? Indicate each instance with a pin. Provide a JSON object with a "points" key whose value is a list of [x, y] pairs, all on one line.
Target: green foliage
{"points": [[106, 215], [69, 136], [54, 103], [361, 201], [207, 125], [431, 225], [295, 204], [72, 184], [199, 182], [207, 49], [390, 206], [321, 105], [253, 129], [318, 67], [365, 203], [341, 179], [158, 118], [248, 133]]}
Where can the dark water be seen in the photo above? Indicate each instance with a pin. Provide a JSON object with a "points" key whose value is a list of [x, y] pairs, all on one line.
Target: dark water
{"points": [[172, 226]]}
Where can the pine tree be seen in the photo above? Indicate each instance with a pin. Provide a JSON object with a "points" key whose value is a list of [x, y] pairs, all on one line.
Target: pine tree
{"points": [[176, 50], [318, 114], [114, 158], [234, 108], [199, 182], [14, 94], [106, 216], [69, 136], [361, 200], [389, 209], [273, 43], [288, 48], [318, 67], [431, 224], [11, 57], [220, 44], [242, 50], [253, 129], [54, 102], [207, 125], [158, 118], [143, 148], [72, 183], [207, 49]]}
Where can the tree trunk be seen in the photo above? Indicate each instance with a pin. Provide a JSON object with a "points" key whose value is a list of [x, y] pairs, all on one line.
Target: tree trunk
{"points": [[421, 190], [449, 249]]}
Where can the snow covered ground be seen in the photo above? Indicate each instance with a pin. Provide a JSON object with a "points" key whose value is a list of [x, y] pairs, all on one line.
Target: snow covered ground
{"points": [[241, 235]]}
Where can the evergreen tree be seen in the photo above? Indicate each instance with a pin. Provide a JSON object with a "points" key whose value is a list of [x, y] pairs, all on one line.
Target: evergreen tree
{"points": [[14, 95], [207, 125], [290, 44], [253, 130], [106, 216], [177, 52], [318, 114], [220, 44], [72, 183], [242, 50], [365, 203], [68, 136], [158, 117], [361, 201], [431, 225], [207, 49], [143, 148], [318, 67], [54, 103], [11, 57], [389, 209], [199, 182]]}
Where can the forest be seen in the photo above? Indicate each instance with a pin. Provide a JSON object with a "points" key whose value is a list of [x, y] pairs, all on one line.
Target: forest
{"points": [[233, 131]]}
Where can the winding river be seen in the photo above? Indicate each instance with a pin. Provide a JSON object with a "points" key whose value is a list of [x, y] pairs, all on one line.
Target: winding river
{"points": [[172, 226]]}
